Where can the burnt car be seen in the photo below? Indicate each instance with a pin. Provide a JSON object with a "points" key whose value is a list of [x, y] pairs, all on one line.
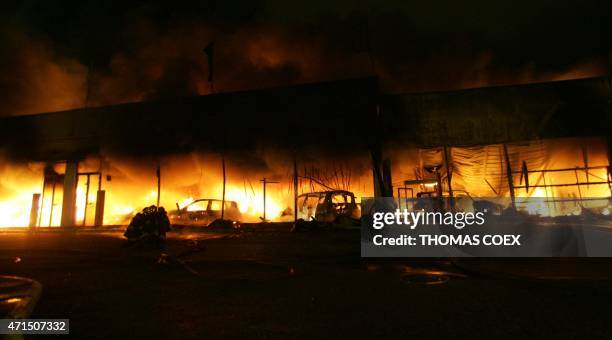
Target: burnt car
{"points": [[328, 206], [203, 212]]}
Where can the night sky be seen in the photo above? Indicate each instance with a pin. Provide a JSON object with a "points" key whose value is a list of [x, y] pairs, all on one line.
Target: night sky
{"points": [[64, 54]]}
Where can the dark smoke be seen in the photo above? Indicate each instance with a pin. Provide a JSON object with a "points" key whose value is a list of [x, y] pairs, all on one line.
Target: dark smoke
{"points": [[88, 53]]}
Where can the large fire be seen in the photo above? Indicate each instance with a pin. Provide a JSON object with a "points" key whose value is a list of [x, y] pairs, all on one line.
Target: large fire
{"points": [[121, 206], [131, 185], [552, 170], [17, 184]]}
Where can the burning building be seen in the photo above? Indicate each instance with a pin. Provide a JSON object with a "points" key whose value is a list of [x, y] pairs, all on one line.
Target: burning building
{"points": [[260, 149]]}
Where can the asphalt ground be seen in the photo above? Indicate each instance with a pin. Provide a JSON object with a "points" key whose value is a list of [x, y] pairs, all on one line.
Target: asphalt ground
{"points": [[277, 284]]}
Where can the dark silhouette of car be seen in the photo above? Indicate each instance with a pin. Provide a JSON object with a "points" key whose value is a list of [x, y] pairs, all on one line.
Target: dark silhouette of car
{"points": [[202, 212]]}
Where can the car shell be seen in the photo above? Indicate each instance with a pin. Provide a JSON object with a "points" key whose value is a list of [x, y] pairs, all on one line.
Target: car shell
{"points": [[328, 206]]}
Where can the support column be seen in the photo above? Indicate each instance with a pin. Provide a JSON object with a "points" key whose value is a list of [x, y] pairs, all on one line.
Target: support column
{"points": [[223, 193], [295, 187], [158, 173], [381, 169], [69, 201], [449, 174], [100, 198], [377, 173], [449, 177], [509, 176], [387, 180], [35, 210], [609, 172]]}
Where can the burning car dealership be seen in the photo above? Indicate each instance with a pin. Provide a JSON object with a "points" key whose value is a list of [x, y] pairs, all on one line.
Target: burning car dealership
{"points": [[99, 166], [321, 169], [118, 154]]}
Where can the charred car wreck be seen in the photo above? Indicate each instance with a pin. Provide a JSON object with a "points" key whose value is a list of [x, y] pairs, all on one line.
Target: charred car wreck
{"points": [[329, 207]]}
